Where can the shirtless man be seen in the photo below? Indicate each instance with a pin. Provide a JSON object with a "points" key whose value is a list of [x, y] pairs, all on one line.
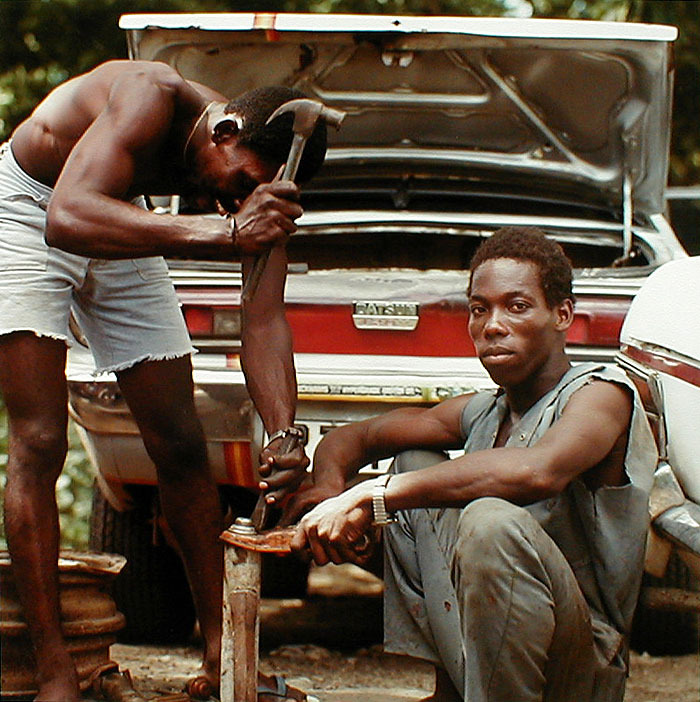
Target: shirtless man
{"points": [[514, 568], [72, 234]]}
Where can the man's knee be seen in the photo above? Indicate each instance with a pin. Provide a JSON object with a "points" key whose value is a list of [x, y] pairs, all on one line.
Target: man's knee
{"points": [[416, 459], [490, 528], [41, 445]]}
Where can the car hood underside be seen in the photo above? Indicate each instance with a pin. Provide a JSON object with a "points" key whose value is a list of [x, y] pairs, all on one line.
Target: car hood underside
{"points": [[543, 101]]}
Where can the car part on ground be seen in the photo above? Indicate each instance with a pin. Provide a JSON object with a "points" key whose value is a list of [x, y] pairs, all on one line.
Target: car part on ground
{"points": [[89, 619]]}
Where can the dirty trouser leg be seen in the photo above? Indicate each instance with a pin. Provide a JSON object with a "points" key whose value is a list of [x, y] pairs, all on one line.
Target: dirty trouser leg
{"points": [[516, 614], [526, 625], [421, 616]]}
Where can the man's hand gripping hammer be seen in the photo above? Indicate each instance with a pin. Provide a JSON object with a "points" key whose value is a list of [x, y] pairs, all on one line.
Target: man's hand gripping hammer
{"points": [[291, 439], [306, 115]]}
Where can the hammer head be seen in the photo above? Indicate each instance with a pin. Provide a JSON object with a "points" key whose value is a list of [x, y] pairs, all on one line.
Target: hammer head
{"points": [[307, 113]]}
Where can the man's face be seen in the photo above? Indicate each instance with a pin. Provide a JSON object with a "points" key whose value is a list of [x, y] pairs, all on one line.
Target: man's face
{"points": [[229, 173], [514, 331]]}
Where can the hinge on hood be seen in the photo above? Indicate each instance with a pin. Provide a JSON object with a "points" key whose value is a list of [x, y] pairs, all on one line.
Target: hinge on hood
{"points": [[628, 253]]}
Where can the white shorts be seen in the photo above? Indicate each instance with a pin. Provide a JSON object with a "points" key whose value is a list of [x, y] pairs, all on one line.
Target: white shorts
{"points": [[127, 309]]}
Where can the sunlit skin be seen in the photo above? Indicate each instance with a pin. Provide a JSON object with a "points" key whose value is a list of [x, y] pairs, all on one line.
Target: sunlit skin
{"points": [[518, 338], [229, 176]]}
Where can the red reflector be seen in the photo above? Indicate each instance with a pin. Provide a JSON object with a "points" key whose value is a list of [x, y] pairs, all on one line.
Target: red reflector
{"points": [[579, 331], [199, 320], [239, 464]]}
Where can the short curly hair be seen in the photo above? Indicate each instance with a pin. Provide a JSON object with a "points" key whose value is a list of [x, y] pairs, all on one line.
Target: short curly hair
{"points": [[271, 142], [530, 244]]}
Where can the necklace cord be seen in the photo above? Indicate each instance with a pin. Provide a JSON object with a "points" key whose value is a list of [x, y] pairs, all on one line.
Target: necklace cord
{"points": [[194, 129]]}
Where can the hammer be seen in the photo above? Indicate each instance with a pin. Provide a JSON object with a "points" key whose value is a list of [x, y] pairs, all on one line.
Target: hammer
{"points": [[306, 115]]}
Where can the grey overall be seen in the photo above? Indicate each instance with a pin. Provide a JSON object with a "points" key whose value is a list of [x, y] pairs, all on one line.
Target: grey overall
{"points": [[529, 603]]}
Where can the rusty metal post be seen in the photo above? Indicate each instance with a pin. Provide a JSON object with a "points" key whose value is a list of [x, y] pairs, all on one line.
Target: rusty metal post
{"points": [[240, 626]]}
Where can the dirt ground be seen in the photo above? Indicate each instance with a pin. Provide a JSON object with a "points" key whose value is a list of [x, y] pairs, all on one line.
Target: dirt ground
{"points": [[327, 644], [158, 671]]}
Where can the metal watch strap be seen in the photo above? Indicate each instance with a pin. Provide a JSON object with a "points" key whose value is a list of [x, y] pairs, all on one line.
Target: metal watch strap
{"points": [[380, 516], [283, 433]]}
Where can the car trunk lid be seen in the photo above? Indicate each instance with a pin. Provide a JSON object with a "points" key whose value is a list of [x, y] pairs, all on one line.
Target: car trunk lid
{"points": [[572, 106]]}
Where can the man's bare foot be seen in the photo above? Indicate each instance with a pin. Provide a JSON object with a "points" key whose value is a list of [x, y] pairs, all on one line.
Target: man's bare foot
{"points": [[270, 689], [206, 683], [59, 690], [201, 687]]}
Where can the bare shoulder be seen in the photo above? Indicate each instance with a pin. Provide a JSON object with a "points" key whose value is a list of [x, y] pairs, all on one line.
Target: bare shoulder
{"points": [[74, 105], [97, 84], [605, 398], [154, 71], [601, 411]]}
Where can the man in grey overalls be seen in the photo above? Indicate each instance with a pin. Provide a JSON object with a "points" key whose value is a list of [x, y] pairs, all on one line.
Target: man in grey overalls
{"points": [[515, 567]]}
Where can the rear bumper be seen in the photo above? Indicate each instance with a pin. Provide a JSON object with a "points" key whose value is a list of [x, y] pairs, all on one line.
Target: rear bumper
{"points": [[333, 390]]}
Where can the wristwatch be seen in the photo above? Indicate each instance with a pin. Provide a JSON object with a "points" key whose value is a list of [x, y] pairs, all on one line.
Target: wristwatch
{"points": [[381, 516], [284, 433]]}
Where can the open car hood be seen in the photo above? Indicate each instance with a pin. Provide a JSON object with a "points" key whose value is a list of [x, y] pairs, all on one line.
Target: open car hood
{"points": [[551, 105]]}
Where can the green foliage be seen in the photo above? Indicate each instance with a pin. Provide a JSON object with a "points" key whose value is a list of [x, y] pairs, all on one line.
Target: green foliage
{"points": [[44, 43], [685, 136], [73, 490]]}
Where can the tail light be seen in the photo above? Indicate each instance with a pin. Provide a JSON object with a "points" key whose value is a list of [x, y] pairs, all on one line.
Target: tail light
{"points": [[440, 331], [214, 329]]}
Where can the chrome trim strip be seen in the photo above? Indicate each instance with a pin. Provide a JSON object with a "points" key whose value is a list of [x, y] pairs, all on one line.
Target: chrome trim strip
{"points": [[674, 367]]}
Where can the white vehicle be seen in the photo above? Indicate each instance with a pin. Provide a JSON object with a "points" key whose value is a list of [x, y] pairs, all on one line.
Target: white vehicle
{"points": [[660, 349]]}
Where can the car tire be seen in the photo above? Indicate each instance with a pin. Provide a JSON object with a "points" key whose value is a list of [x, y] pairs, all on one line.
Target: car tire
{"points": [[152, 590], [662, 632]]}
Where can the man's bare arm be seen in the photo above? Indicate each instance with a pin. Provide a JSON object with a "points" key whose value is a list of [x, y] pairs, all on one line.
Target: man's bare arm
{"points": [[343, 451], [594, 421], [268, 363], [593, 425], [266, 354], [89, 214]]}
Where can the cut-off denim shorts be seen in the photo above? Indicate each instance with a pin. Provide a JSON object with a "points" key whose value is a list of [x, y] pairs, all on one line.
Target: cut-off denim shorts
{"points": [[127, 309]]}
